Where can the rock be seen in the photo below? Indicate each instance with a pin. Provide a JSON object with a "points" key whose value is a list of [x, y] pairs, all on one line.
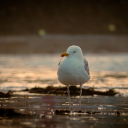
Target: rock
{"points": [[61, 112], [5, 95]]}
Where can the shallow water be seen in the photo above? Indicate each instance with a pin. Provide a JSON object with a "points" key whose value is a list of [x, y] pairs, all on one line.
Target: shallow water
{"points": [[26, 71], [42, 108]]}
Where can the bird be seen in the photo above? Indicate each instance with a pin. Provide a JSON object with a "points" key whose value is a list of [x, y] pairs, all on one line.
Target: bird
{"points": [[73, 69]]}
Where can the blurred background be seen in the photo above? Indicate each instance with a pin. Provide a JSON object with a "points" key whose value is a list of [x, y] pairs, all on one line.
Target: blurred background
{"points": [[33, 33], [96, 26]]}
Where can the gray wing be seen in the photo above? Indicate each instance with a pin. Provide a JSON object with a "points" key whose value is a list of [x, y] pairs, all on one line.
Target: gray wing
{"points": [[60, 62], [86, 66]]}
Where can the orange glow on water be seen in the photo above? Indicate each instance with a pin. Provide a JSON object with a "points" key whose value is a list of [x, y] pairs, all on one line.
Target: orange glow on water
{"points": [[107, 71]]}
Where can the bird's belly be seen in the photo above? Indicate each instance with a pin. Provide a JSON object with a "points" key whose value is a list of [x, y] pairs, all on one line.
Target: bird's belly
{"points": [[70, 80], [73, 75]]}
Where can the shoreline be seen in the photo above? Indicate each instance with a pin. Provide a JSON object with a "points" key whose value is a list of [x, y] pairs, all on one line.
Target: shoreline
{"points": [[58, 43]]}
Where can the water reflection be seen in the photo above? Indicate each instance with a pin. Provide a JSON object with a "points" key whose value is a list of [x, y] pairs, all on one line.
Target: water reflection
{"points": [[43, 107], [26, 71]]}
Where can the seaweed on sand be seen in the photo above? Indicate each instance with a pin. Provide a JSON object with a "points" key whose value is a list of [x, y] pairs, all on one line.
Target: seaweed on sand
{"points": [[73, 91], [5, 95], [10, 112]]}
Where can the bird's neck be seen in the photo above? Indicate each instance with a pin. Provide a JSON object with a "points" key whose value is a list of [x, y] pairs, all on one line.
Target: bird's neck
{"points": [[80, 58]]}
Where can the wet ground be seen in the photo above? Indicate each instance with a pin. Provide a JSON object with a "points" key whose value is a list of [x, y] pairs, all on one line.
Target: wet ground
{"points": [[40, 111], [18, 72]]}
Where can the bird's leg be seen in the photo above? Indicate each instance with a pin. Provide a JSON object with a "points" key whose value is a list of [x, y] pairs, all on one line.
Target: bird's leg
{"points": [[68, 91], [80, 97]]}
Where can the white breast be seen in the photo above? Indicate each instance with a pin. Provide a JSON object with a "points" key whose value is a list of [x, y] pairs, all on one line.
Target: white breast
{"points": [[72, 72]]}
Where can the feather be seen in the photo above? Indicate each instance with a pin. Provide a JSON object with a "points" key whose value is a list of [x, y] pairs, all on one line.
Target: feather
{"points": [[86, 66]]}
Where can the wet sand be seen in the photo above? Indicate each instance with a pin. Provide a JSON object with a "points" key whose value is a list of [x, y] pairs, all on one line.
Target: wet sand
{"points": [[40, 111]]}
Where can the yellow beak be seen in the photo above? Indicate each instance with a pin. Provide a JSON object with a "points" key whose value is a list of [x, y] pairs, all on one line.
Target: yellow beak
{"points": [[64, 54]]}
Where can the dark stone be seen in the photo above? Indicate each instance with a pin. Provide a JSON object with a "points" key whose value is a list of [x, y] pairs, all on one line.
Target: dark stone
{"points": [[88, 112], [62, 112], [5, 95], [118, 113], [9, 112], [80, 111]]}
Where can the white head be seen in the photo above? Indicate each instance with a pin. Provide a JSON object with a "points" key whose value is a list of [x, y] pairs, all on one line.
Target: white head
{"points": [[73, 51]]}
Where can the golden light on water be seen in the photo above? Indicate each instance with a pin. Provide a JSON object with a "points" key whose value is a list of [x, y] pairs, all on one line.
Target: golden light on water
{"points": [[107, 71]]}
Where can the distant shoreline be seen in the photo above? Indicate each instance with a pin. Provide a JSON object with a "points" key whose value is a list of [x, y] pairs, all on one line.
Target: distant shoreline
{"points": [[58, 43]]}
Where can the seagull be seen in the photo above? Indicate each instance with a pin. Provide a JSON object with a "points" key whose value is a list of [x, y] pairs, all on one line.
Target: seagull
{"points": [[73, 70]]}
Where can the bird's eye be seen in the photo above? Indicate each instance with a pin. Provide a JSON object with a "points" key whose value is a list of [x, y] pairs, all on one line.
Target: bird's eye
{"points": [[74, 51]]}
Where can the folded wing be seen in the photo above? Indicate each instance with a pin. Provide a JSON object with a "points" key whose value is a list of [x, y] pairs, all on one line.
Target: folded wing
{"points": [[86, 66]]}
